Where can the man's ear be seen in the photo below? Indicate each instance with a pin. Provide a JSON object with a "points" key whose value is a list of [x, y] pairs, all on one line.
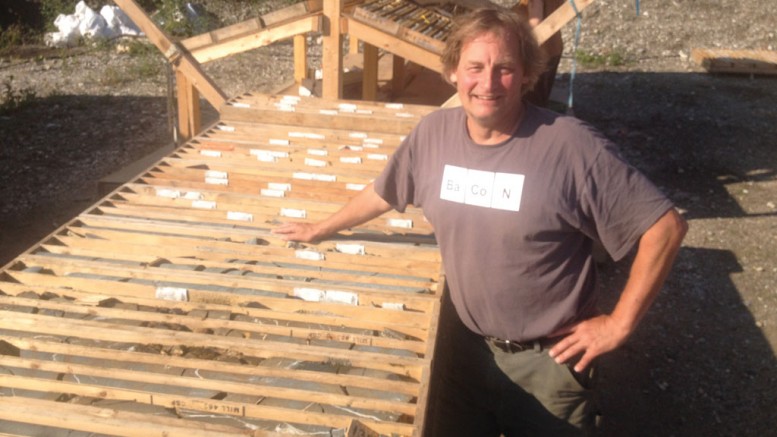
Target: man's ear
{"points": [[452, 77]]}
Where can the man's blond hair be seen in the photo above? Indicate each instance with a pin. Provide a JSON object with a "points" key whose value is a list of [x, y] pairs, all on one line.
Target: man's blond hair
{"points": [[501, 22]]}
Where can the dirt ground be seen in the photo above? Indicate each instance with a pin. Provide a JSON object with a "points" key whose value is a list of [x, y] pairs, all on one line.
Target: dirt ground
{"points": [[703, 361]]}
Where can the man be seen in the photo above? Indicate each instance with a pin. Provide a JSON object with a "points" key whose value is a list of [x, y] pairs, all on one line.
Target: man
{"points": [[517, 195]]}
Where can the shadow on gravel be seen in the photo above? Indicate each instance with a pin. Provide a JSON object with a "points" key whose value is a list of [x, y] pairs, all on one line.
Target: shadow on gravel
{"points": [[698, 365], [54, 150], [694, 134]]}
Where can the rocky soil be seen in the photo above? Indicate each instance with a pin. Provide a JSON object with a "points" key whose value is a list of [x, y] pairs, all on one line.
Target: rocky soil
{"points": [[702, 363]]}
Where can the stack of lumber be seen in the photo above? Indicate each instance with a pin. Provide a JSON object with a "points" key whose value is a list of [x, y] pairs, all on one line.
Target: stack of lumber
{"points": [[169, 307]]}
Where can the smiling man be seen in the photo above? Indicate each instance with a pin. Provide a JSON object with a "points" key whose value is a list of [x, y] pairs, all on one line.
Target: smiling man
{"points": [[517, 196]]}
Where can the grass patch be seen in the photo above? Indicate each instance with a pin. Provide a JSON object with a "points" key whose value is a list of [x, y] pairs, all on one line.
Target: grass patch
{"points": [[594, 60], [143, 67], [12, 99]]}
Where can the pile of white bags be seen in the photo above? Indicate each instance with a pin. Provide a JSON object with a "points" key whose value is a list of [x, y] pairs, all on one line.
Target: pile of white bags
{"points": [[85, 23]]}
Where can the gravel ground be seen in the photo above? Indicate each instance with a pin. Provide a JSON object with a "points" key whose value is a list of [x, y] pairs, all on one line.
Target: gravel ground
{"points": [[703, 361]]}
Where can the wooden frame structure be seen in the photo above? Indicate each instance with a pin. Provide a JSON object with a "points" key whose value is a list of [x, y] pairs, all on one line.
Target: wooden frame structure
{"points": [[411, 32], [169, 308]]}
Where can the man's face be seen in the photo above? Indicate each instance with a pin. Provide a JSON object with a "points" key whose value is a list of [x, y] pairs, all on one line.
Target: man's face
{"points": [[488, 80]]}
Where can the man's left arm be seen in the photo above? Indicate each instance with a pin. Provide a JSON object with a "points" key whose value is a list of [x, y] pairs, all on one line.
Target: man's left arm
{"points": [[656, 252]]}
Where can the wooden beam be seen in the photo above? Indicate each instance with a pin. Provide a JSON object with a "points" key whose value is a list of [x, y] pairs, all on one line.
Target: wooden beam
{"points": [[258, 38], [178, 56], [189, 114], [108, 421], [332, 56], [300, 58], [395, 45], [370, 73], [131, 358], [397, 75], [736, 61]]}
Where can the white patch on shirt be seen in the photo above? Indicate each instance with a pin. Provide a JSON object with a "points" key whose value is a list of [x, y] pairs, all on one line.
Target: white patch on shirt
{"points": [[482, 188]]}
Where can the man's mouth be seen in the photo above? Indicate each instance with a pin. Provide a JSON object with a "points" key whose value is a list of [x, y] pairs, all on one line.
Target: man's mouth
{"points": [[486, 97]]}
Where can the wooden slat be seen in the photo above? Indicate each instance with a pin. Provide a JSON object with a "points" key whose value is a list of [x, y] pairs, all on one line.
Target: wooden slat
{"points": [[396, 45], [260, 38], [108, 421], [132, 358], [736, 61]]}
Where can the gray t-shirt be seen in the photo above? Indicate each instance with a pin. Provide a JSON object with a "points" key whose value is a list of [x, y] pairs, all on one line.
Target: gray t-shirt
{"points": [[516, 221]]}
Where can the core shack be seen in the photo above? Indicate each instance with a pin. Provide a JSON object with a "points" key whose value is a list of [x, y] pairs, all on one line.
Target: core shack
{"points": [[169, 308]]}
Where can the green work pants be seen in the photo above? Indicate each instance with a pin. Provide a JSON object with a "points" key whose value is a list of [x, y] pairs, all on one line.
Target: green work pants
{"points": [[484, 391]]}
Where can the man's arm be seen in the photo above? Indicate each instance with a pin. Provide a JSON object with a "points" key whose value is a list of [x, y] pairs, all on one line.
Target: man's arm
{"points": [[657, 250], [362, 208]]}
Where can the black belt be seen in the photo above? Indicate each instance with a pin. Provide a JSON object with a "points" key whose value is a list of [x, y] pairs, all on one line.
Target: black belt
{"points": [[510, 346]]}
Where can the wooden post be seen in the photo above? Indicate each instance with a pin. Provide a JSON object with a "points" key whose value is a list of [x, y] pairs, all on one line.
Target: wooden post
{"points": [[332, 59], [370, 73], [397, 75], [353, 45], [189, 116], [300, 58]]}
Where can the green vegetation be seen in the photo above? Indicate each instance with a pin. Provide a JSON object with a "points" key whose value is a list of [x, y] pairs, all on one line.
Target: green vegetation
{"points": [[142, 67], [610, 59], [12, 36], [12, 99]]}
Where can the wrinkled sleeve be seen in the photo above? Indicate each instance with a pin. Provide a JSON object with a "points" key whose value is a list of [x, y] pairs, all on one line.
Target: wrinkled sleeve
{"points": [[396, 183], [619, 203]]}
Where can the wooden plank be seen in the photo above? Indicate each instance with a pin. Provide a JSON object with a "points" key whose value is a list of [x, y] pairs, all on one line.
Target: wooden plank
{"points": [[131, 358], [332, 51], [238, 409], [260, 38], [300, 58], [95, 296], [318, 120], [279, 325], [122, 333], [259, 389], [251, 243], [109, 421], [312, 104], [399, 27], [189, 114], [367, 296], [291, 12], [370, 73], [392, 318], [225, 33], [397, 75], [179, 57], [558, 19], [736, 61], [395, 45]]}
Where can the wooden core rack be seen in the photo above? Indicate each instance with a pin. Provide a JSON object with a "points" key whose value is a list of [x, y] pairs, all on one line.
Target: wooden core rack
{"points": [[169, 308]]}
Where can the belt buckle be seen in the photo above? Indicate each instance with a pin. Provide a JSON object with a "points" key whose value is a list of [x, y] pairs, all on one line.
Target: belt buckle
{"points": [[507, 345]]}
